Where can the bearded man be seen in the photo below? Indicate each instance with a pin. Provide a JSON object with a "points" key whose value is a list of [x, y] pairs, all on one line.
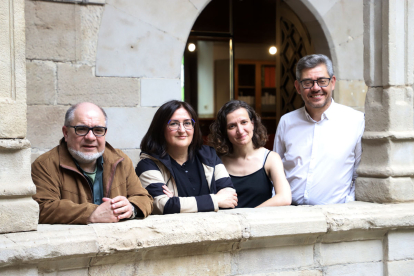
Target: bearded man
{"points": [[320, 143], [84, 179]]}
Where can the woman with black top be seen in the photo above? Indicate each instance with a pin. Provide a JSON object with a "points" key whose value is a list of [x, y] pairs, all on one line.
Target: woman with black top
{"points": [[179, 172], [238, 137]]}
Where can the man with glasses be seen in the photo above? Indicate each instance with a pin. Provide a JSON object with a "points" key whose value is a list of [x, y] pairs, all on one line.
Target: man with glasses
{"points": [[84, 179], [320, 143]]}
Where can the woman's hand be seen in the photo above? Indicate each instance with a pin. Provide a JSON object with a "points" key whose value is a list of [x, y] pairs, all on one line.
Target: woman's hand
{"points": [[227, 198], [167, 191]]}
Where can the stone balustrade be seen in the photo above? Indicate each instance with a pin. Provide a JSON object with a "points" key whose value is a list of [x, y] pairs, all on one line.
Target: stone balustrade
{"points": [[375, 239]]}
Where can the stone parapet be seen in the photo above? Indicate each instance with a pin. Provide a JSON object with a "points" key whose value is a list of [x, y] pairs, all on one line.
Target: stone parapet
{"points": [[292, 240]]}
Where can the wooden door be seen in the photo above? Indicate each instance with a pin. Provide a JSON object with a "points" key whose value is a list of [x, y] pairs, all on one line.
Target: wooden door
{"points": [[293, 42]]}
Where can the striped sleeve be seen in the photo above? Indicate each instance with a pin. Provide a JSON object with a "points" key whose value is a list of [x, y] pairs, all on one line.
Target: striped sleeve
{"points": [[152, 179]]}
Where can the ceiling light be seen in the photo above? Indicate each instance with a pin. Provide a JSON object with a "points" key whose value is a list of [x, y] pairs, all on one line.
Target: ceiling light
{"points": [[272, 50], [191, 47]]}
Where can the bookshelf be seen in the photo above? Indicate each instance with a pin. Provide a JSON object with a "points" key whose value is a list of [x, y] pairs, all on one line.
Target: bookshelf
{"points": [[255, 83]]}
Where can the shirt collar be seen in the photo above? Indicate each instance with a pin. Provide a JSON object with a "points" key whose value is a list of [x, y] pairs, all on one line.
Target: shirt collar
{"points": [[328, 114]]}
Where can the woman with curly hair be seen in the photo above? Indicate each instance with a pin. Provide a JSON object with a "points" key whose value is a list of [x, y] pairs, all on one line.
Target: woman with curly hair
{"points": [[238, 137]]}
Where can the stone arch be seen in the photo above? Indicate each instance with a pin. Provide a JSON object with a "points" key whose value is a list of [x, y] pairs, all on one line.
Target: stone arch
{"points": [[140, 39], [316, 25], [152, 40]]}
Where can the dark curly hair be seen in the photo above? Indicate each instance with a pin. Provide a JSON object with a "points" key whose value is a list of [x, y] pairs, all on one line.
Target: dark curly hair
{"points": [[218, 138], [154, 140]]}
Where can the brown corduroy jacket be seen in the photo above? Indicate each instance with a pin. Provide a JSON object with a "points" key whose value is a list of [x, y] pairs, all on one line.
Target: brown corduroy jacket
{"points": [[64, 195]]}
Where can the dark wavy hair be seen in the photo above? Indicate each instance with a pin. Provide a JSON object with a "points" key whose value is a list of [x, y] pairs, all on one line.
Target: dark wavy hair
{"points": [[154, 140], [218, 138]]}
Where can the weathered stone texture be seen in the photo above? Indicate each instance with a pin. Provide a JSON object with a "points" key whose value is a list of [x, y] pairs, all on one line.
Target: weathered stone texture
{"points": [[400, 245], [151, 42], [20, 271], [400, 268], [164, 229], [373, 43], [389, 109], [77, 83], [351, 93], [50, 31], [212, 243], [77, 266], [362, 216], [270, 259], [17, 215], [13, 120], [281, 223], [15, 179], [359, 269], [386, 156], [398, 48], [350, 252], [385, 190], [49, 242], [73, 272], [90, 19], [200, 4], [165, 89], [289, 273], [127, 126], [41, 82], [386, 167], [45, 125], [214, 264]]}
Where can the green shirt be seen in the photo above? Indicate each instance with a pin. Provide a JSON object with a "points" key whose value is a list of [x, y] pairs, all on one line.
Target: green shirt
{"points": [[95, 180]]}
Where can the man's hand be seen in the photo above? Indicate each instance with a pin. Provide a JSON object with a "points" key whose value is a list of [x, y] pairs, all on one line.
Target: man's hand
{"points": [[121, 206], [103, 213], [227, 198], [112, 210]]}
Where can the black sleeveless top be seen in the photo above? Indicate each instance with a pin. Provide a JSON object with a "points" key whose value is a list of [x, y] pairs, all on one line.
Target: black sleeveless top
{"points": [[253, 189]]}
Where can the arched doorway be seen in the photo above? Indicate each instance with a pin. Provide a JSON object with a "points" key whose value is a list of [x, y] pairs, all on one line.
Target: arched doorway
{"points": [[230, 57]]}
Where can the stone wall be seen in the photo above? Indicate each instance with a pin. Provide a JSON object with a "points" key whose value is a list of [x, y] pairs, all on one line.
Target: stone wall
{"points": [[61, 51], [336, 29], [345, 239], [126, 56]]}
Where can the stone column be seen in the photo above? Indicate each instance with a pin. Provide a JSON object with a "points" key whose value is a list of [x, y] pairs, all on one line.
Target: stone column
{"points": [[386, 172], [18, 211]]}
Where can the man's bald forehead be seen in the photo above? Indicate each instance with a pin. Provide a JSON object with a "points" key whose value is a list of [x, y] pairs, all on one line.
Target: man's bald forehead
{"points": [[84, 106]]}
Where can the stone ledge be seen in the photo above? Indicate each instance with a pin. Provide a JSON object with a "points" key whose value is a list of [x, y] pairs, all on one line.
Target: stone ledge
{"points": [[14, 144], [392, 135], [84, 2], [184, 234]]}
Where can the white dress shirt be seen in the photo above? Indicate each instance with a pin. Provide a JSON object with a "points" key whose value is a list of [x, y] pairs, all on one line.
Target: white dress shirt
{"points": [[320, 158]]}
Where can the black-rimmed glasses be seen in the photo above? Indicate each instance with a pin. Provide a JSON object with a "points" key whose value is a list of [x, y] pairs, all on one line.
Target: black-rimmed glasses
{"points": [[175, 125], [322, 82], [84, 130]]}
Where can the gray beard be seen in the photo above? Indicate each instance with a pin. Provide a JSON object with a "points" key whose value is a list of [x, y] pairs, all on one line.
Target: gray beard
{"points": [[84, 158]]}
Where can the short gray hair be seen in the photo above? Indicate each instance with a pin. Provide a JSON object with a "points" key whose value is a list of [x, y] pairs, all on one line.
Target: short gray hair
{"points": [[70, 114], [312, 61]]}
